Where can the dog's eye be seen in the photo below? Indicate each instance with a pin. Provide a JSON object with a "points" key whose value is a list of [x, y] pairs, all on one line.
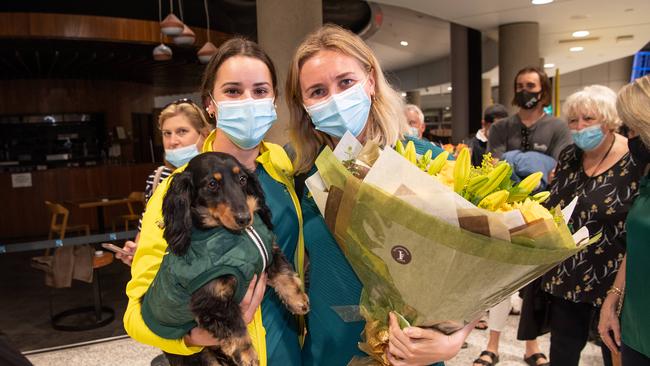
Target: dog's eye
{"points": [[243, 180], [212, 184]]}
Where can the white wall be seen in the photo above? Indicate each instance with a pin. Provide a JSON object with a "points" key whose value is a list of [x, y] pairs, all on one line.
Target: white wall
{"points": [[614, 74]]}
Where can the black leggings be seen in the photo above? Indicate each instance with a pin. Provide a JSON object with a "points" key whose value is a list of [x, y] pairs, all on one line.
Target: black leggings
{"points": [[570, 324], [631, 357]]}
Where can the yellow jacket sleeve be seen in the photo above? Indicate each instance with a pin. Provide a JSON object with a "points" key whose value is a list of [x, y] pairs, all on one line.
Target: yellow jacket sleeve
{"points": [[152, 248]]}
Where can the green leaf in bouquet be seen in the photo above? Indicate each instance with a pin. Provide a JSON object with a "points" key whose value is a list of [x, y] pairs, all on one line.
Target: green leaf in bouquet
{"points": [[401, 320]]}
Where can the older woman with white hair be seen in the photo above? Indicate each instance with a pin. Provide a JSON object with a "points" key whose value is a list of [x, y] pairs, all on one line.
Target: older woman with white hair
{"points": [[600, 172]]}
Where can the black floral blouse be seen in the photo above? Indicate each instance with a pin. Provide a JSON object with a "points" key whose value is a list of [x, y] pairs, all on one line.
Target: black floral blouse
{"points": [[603, 203]]}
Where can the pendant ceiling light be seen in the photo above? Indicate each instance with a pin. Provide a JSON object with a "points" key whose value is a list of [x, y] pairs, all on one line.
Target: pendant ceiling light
{"points": [[161, 52], [208, 50], [187, 36], [171, 26]]}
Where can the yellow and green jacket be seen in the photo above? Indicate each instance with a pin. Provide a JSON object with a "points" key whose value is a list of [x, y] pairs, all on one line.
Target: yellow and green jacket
{"points": [[152, 248]]}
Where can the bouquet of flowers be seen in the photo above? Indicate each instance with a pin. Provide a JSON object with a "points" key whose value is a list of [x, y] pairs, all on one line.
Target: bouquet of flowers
{"points": [[437, 242], [452, 149]]}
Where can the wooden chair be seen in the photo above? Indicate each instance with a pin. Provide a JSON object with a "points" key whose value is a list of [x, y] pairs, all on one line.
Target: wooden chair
{"points": [[134, 198], [59, 223], [61, 227]]}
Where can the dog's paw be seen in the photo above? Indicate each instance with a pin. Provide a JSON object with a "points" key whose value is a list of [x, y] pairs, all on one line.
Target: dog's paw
{"points": [[298, 304], [248, 358]]}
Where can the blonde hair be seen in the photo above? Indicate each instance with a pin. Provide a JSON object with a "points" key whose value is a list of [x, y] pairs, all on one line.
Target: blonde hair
{"points": [[188, 109], [633, 105], [596, 99], [386, 123]]}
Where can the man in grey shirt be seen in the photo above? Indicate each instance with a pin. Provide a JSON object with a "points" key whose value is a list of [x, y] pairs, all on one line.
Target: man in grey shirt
{"points": [[530, 129]]}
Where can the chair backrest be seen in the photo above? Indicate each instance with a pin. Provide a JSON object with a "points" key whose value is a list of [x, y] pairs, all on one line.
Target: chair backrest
{"points": [[57, 210], [135, 197]]}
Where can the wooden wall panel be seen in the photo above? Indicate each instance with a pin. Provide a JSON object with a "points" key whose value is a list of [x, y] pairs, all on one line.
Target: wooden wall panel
{"points": [[72, 26], [23, 210]]}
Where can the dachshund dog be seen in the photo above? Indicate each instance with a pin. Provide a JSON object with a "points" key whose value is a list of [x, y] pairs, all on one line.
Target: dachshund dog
{"points": [[216, 190]]}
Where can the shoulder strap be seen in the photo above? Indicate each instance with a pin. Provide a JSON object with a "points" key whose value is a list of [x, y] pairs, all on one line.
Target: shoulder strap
{"points": [[156, 178]]}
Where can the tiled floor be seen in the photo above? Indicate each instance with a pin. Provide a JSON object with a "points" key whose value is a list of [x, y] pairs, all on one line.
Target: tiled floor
{"points": [[126, 352]]}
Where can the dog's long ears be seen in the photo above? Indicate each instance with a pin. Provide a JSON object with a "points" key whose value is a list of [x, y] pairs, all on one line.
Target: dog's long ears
{"points": [[176, 213], [254, 189]]}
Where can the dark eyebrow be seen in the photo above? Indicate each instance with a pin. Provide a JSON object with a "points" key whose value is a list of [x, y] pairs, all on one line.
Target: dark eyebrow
{"points": [[230, 83]]}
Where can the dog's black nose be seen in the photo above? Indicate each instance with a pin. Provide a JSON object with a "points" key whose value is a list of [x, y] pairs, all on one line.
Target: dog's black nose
{"points": [[243, 219]]}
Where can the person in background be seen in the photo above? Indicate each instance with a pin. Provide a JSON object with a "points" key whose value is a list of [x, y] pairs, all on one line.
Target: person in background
{"points": [[600, 172], [183, 128], [415, 119], [238, 90], [335, 84], [631, 336], [478, 143], [530, 129]]}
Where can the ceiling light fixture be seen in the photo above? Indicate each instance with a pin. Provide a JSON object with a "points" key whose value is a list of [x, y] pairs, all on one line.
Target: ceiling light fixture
{"points": [[549, 66], [541, 2], [171, 26], [576, 49], [580, 34], [449, 88], [209, 49], [161, 52], [404, 43], [187, 36]]}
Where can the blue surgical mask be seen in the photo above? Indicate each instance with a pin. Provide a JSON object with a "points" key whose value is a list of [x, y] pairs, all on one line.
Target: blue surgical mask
{"points": [[246, 122], [345, 111], [182, 155], [588, 138], [413, 132]]}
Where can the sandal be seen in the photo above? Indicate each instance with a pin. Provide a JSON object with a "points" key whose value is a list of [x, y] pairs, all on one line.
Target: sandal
{"points": [[532, 359], [481, 325], [493, 357]]}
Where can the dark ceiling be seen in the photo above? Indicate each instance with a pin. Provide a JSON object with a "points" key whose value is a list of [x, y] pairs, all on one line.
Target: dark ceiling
{"points": [[66, 59], [76, 59]]}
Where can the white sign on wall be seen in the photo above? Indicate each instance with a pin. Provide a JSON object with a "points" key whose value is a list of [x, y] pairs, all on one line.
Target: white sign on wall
{"points": [[21, 180]]}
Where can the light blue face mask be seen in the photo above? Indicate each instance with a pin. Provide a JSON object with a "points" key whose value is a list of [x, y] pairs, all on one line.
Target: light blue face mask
{"points": [[413, 132], [588, 138], [345, 111], [182, 155], [246, 122]]}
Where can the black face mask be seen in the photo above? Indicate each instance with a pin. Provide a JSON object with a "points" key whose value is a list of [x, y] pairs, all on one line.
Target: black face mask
{"points": [[638, 150], [527, 100]]}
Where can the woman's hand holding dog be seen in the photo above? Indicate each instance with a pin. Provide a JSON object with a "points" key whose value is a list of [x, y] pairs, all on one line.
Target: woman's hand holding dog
{"points": [[249, 304], [419, 346], [253, 297]]}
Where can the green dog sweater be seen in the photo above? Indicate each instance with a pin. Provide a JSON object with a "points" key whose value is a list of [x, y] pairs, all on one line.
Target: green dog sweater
{"points": [[213, 253]]}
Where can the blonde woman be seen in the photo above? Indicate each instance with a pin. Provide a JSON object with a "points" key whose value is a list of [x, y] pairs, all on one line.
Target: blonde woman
{"points": [[183, 128], [631, 336], [336, 84], [599, 170]]}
